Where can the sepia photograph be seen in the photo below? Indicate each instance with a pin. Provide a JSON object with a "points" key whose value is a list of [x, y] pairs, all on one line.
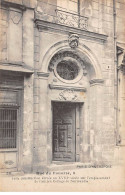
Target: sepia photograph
{"points": [[62, 95]]}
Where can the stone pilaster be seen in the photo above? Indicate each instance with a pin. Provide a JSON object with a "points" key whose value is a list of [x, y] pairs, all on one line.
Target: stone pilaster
{"points": [[96, 122], [28, 124], [41, 117]]}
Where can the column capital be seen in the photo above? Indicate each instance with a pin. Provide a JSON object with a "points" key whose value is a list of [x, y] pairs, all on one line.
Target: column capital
{"points": [[96, 82]]}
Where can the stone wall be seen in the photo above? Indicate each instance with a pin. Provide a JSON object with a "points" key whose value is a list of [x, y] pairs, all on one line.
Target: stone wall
{"points": [[3, 33], [120, 41], [17, 49]]}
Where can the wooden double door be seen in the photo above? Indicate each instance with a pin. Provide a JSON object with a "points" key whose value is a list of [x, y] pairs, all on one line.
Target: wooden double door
{"points": [[64, 130]]}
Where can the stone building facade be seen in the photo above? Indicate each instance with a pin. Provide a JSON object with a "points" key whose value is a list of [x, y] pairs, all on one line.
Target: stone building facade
{"points": [[62, 83]]}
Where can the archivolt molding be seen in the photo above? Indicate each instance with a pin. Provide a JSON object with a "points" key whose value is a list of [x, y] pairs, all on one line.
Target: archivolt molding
{"points": [[64, 46], [71, 57], [61, 55]]}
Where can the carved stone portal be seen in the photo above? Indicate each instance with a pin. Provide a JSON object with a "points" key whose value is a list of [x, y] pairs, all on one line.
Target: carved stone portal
{"points": [[68, 95]]}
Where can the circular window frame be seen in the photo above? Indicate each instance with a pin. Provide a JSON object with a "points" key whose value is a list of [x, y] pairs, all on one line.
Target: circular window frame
{"points": [[80, 70]]}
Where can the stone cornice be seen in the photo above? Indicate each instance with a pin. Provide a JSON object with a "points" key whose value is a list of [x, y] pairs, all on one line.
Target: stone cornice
{"points": [[8, 105], [13, 5], [45, 25], [16, 66], [43, 74], [63, 87], [96, 81], [8, 87]]}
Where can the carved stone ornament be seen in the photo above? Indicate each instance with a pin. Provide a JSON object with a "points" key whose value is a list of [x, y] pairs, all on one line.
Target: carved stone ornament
{"points": [[15, 17], [68, 95], [73, 40], [60, 56]]}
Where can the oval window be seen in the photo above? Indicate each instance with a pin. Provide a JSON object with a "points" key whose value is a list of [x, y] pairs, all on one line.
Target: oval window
{"points": [[67, 70]]}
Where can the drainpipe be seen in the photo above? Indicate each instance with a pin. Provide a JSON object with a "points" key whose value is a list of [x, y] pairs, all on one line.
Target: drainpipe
{"points": [[115, 72]]}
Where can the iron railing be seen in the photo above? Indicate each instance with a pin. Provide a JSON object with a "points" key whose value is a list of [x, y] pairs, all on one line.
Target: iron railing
{"points": [[60, 16], [71, 19]]}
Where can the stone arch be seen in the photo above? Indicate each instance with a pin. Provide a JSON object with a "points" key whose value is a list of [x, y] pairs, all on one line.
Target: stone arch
{"points": [[81, 49]]}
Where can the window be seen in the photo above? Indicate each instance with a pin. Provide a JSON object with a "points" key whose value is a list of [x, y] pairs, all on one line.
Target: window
{"points": [[73, 6], [67, 70], [8, 128], [67, 67], [68, 5]]}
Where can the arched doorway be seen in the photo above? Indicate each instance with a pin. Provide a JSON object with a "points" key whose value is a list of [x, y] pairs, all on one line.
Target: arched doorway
{"points": [[69, 91], [70, 87]]}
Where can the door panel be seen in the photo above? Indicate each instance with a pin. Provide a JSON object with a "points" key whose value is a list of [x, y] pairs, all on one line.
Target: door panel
{"points": [[64, 131]]}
